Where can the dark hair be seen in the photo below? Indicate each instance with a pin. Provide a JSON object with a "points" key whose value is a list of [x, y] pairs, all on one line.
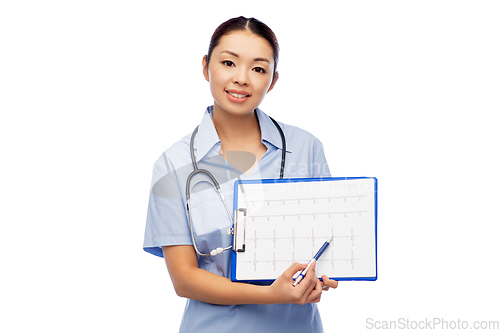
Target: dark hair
{"points": [[242, 23]]}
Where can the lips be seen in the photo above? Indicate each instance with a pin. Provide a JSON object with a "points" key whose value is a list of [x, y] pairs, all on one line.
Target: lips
{"points": [[237, 96]]}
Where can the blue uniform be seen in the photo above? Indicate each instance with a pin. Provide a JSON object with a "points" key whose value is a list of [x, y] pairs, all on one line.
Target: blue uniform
{"points": [[167, 218]]}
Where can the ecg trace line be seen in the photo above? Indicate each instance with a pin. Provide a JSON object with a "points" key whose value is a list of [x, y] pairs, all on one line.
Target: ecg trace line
{"points": [[345, 197], [298, 215], [332, 260], [293, 238], [274, 260], [274, 238]]}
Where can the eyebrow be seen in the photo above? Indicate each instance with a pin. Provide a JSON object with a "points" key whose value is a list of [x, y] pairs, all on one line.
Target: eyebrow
{"points": [[235, 55]]}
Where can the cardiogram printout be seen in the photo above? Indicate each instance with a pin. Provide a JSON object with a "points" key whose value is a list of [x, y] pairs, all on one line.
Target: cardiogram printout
{"points": [[288, 220]]}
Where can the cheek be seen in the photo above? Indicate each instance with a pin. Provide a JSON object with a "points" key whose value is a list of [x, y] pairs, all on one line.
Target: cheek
{"points": [[218, 79], [264, 87], [215, 84]]}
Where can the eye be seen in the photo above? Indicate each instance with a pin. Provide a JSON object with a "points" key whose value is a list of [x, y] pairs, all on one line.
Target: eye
{"points": [[259, 70], [228, 63]]}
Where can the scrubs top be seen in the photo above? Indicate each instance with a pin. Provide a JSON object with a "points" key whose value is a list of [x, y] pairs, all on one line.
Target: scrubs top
{"points": [[167, 217]]}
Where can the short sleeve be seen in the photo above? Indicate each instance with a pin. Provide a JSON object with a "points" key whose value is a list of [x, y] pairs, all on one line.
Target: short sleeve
{"points": [[320, 168], [166, 222]]}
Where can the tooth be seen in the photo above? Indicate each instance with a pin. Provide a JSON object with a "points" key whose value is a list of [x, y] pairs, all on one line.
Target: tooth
{"points": [[237, 95]]}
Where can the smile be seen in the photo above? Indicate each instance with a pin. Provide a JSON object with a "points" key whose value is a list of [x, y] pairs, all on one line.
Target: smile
{"points": [[237, 95]]}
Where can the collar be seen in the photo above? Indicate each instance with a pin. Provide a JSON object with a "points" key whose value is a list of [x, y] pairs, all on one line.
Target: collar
{"points": [[207, 136], [268, 130]]}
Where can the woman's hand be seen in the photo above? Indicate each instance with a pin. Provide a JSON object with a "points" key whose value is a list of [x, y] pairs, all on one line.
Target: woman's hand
{"points": [[195, 283], [307, 291]]}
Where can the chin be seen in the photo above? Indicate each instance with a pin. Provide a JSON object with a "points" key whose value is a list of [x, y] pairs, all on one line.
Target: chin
{"points": [[235, 110]]}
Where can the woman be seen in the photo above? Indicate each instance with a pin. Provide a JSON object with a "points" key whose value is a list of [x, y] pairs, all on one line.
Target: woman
{"points": [[234, 139]]}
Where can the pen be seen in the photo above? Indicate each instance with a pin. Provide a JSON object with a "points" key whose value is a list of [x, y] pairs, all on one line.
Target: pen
{"points": [[303, 273]]}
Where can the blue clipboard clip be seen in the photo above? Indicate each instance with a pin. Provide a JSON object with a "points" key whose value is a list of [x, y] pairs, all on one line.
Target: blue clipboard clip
{"points": [[238, 230]]}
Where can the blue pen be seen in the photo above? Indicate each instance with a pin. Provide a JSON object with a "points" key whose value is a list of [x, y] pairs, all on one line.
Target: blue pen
{"points": [[314, 259]]}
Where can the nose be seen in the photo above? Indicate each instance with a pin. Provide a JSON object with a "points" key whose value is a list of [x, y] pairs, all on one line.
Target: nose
{"points": [[241, 77]]}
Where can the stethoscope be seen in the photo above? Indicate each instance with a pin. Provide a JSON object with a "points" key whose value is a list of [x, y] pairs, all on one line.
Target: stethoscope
{"points": [[216, 185]]}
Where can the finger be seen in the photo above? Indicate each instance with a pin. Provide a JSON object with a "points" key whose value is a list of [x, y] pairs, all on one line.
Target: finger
{"points": [[323, 286], [306, 281], [306, 285], [315, 294], [311, 275], [316, 300], [312, 282], [329, 283], [294, 268]]}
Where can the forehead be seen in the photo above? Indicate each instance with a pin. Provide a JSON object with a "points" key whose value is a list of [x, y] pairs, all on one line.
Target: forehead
{"points": [[245, 44]]}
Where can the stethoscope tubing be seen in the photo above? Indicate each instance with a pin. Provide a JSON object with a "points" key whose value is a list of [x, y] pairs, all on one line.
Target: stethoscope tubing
{"points": [[216, 185], [283, 147]]}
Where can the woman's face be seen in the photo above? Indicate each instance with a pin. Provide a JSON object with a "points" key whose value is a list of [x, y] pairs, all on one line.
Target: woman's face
{"points": [[240, 72]]}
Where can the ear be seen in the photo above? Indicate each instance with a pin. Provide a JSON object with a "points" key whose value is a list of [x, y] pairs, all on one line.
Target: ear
{"points": [[205, 68], [274, 82]]}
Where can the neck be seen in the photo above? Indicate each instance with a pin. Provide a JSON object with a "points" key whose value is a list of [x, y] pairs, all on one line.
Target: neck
{"points": [[236, 130]]}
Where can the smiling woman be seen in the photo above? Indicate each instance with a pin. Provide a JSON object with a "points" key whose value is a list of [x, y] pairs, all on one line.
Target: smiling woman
{"points": [[240, 75], [241, 71], [240, 67]]}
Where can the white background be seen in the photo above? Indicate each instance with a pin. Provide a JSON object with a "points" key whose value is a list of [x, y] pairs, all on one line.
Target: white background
{"points": [[92, 92]]}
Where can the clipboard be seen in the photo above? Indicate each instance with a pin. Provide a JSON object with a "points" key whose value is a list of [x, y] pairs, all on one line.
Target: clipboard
{"points": [[281, 221]]}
